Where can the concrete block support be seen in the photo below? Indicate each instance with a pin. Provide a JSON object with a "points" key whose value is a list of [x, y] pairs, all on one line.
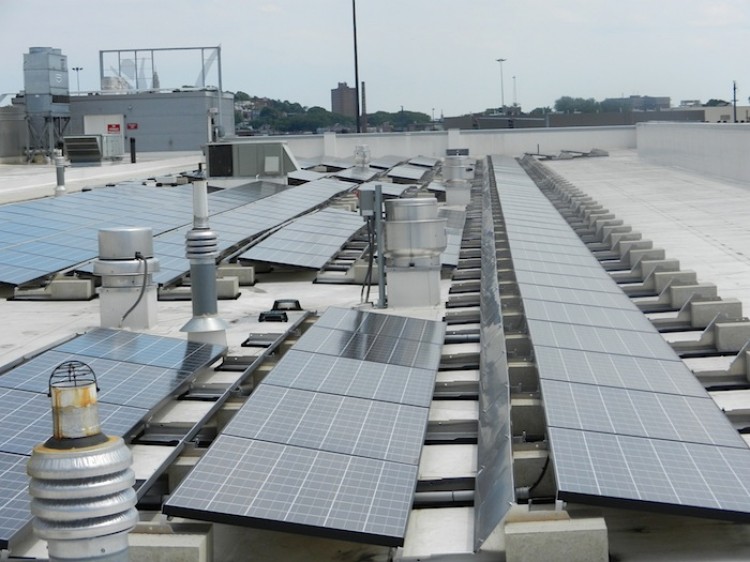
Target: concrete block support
{"points": [[557, 540], [71, 289], [245, 274]]}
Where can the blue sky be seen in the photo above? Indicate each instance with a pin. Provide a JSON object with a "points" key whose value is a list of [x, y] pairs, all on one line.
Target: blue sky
{"points": [[421, 54]]}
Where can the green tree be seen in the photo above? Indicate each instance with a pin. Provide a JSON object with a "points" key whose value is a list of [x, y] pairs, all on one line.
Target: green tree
{"points": [[716, 103], [241, 96], [567, 104]]}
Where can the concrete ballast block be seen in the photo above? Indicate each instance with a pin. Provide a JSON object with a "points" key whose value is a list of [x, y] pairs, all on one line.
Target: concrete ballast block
{"points": [[557, 540]]}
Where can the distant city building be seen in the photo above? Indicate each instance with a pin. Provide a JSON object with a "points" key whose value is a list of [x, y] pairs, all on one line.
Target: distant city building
{"points": [[640, 103], [344, 100]]}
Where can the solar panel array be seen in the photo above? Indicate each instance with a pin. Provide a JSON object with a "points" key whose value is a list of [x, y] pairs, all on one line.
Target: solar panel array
{"points": [[43, 236], [242, 223], [628, 423], [329, 443], [309, 241], [407, 172], [135, 373]]}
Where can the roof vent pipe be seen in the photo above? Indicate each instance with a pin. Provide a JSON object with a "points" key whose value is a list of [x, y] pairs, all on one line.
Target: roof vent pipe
{"points": [[81, 485], [128, 295], [362, 156], [202, 249]]}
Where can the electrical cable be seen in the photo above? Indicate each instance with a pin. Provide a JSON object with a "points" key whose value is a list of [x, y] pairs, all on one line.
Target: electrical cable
{"points": [[139, 257], [544, 471]]}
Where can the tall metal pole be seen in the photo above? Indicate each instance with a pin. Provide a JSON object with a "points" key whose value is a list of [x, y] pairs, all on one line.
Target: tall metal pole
{"points": [[356, 66], [734, 99], [515, 100], [502, 84]]}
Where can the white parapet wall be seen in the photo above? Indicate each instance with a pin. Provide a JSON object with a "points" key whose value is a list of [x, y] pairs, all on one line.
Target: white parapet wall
{"points": [[715, 149], [514, 142]]}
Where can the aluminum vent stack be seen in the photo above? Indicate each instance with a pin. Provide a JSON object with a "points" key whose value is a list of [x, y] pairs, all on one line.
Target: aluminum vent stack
{"points": [[414, 239], [202, 250], [81, 485], [128, 295], [362, 156]]}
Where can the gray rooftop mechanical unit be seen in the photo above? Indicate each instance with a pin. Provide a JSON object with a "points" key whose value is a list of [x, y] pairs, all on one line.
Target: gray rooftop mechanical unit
{"points": [[250, 159], [47, 98]]}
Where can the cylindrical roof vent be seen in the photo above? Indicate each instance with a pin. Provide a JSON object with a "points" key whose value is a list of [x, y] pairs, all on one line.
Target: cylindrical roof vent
{"points": [[413, 231]]}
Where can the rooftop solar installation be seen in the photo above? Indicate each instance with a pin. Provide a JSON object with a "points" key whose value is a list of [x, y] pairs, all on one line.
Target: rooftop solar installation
{"points": [[386, 162], [388, 189], [43, 236], [15, 513], [295, 489], [424, 161], [328, 444], [243, 223], [358, 174], [135, 373], [352, 377], [628, 423], [334, 423], [309, 241], [409, 173]]}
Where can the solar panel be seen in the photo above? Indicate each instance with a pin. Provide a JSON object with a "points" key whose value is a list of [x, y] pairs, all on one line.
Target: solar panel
{"points": [[323, 446], [587, 338], [620, 371], [144, 349], [585, 315], [14, 497], [309, 241], [548, 293], [382, 324], [692, 478], [328, 422], [26, 420], [289, 488], [406, 172], [628, 423], [371, 347], [637, 413], [351, 377]]}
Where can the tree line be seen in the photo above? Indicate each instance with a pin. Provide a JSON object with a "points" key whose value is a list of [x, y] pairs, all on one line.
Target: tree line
{"points": [[276, 116]]}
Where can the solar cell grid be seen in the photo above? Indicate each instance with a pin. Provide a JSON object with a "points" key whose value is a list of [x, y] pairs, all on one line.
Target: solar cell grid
{"points": [[143, 349], [350, 377], [328, 422], [26, 420], [14, 497], [637, 413], [585, 315], [619, 371], [317, 492]]}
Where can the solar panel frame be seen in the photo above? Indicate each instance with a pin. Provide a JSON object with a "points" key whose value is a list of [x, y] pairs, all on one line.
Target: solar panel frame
{"points": [[343, 497], [26, 420], [334, 423], [351, 377], [15, 512]]}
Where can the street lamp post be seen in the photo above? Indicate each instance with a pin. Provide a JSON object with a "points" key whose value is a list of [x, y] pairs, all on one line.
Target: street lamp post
{"points": [[515, 101], [502, 84], [78, 70]]}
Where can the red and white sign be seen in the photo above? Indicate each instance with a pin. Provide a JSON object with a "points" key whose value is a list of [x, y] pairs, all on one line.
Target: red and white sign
{"points": [[113, 128], [132, 126]]}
